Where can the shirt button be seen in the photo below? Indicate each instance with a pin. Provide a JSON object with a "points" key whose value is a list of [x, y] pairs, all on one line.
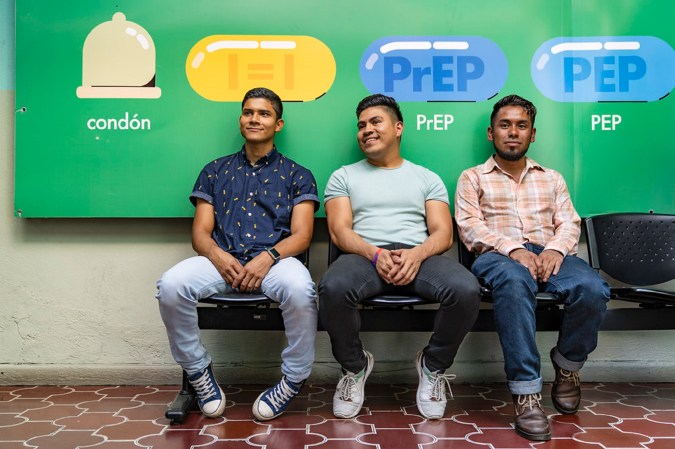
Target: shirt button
{"points": [[248, 235], [249, 214]]}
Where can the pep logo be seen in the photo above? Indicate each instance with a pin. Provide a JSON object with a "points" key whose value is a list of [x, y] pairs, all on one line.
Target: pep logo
{"points": [[604, 69], [224, 68], [434, 68]]}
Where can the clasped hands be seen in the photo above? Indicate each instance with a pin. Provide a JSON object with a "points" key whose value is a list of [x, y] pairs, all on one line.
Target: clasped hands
{"points": [[398, 266], [541, 266], [245, 278]]}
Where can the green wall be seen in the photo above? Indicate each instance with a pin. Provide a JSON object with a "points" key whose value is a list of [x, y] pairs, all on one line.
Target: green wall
{"points": [[613, 150]]}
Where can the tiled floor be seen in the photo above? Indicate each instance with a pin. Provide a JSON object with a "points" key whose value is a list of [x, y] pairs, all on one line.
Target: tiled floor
{"points": [[612, 416]]}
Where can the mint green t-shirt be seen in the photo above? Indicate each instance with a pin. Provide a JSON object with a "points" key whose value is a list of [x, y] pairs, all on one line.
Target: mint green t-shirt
{"points": [[388, 204]]}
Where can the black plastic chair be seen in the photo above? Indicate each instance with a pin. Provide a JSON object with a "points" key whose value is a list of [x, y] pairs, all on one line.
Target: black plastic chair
{"points": [[637, 250], [234, 311]]}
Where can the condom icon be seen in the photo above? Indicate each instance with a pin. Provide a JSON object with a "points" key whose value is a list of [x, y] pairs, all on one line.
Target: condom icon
{"points": [[118, 61]]}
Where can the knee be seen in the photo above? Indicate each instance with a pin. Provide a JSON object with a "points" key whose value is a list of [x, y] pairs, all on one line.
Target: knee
{"points": [[463, 290], [518, 283], [469, 287], [172, 288], [518, 293], [300, 292], [333, 287], [591, 293]]}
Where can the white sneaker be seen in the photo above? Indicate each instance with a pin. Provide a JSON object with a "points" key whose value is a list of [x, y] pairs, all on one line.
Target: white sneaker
{"points": [[431, 396], [349, 396]]}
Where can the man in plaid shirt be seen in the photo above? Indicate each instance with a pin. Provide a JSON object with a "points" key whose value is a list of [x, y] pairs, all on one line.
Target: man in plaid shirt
{"points": [[518, 218]]}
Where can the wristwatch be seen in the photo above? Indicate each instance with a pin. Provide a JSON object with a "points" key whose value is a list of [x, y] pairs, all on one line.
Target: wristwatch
{"points": [[275, 254]]}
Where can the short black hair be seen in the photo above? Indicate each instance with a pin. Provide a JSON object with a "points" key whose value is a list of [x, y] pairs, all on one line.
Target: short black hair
{"points": [[380, 100], [268, 94], [514, 100]]}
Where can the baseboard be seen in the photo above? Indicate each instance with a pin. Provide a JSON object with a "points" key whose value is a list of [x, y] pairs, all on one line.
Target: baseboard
{"points": [[606, 371]]}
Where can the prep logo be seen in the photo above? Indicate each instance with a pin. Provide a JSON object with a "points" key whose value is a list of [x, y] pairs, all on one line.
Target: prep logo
{"points": [[604, 69], [434, 68]]}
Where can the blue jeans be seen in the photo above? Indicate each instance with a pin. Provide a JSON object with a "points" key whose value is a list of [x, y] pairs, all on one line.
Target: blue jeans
{"points": [[352, 278], [585, 297], [288, 283]]}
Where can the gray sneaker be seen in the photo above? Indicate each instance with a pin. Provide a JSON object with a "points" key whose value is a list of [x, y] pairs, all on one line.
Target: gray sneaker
{"points": [[349, 395], [431, 395]]}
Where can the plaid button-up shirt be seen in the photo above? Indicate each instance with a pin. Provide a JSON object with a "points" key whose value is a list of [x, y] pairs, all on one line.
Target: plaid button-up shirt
{"points": [[495, 212]]}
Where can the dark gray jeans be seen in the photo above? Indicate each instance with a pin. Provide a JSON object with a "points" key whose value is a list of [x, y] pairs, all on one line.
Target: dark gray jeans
{"points": [[352, 278]]}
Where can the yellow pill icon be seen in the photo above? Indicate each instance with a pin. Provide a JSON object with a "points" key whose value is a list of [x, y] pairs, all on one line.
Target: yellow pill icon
{"points": [[225, 67]]}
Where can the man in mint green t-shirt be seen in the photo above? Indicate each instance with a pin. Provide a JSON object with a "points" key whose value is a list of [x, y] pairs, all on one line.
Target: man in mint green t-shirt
{"points": [[392, 221]]}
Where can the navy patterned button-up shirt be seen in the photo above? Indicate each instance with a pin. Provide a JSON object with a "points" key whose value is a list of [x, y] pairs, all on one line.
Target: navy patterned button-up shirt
{"points": [[253, 203]]}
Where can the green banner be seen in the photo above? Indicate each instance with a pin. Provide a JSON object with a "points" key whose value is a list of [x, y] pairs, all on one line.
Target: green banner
{"points": [[120, 104]]}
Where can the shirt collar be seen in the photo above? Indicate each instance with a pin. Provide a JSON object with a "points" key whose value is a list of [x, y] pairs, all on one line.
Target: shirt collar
{"points": [[491, 165], [266, 159]]}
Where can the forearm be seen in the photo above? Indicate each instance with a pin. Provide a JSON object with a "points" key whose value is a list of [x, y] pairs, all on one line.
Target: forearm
{"points": [[437, 243], [566, 222], [565, 239], [293, 245], [350, 242], [204, 245]]}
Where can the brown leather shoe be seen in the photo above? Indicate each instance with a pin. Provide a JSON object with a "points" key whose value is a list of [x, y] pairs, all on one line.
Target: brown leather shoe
{"points": [[566, 389], [531, 421]]}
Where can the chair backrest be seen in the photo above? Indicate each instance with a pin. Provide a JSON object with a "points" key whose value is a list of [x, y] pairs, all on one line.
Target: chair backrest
{"points": [[633, 248], [464, 256], [333, 251]]}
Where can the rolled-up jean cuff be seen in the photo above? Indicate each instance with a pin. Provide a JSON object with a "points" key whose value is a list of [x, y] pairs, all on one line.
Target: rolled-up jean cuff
{"points": [[565, 364], [525, 386]]}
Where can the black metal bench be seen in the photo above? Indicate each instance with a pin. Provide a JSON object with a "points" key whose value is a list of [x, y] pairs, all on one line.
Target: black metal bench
{"points": [[656, 309]]}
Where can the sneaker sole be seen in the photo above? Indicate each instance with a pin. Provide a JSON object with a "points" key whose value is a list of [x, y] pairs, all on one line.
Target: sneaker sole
{"points": [[369, 368], [219, 411], [257, 415]]}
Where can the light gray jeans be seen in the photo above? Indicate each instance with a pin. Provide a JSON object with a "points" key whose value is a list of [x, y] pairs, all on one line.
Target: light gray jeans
{"points": [[288, 283]]}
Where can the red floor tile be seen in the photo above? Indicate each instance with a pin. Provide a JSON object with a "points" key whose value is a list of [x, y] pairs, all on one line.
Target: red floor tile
{"points": [[613, 438], [480, 416], [287, 439]]}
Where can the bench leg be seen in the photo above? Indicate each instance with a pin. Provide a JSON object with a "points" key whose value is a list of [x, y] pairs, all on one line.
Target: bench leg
{"points": [[184, 401]]}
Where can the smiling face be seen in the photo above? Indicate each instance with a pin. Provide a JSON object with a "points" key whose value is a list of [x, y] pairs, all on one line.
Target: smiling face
{"points": [[258, 122], [511, 133], [379, 134]]}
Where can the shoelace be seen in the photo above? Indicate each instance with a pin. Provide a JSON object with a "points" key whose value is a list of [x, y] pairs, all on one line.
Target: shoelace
{"points": [[281, 394], [529, 400], [569, 376], [204, 386], [438, 383], [346, 386]]}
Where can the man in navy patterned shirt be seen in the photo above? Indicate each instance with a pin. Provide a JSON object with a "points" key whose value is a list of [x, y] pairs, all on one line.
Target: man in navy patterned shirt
{"points": [[254, 210]]}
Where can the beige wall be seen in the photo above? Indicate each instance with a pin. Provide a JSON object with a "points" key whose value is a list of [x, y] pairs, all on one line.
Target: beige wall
{"points": [[77, 306]]}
